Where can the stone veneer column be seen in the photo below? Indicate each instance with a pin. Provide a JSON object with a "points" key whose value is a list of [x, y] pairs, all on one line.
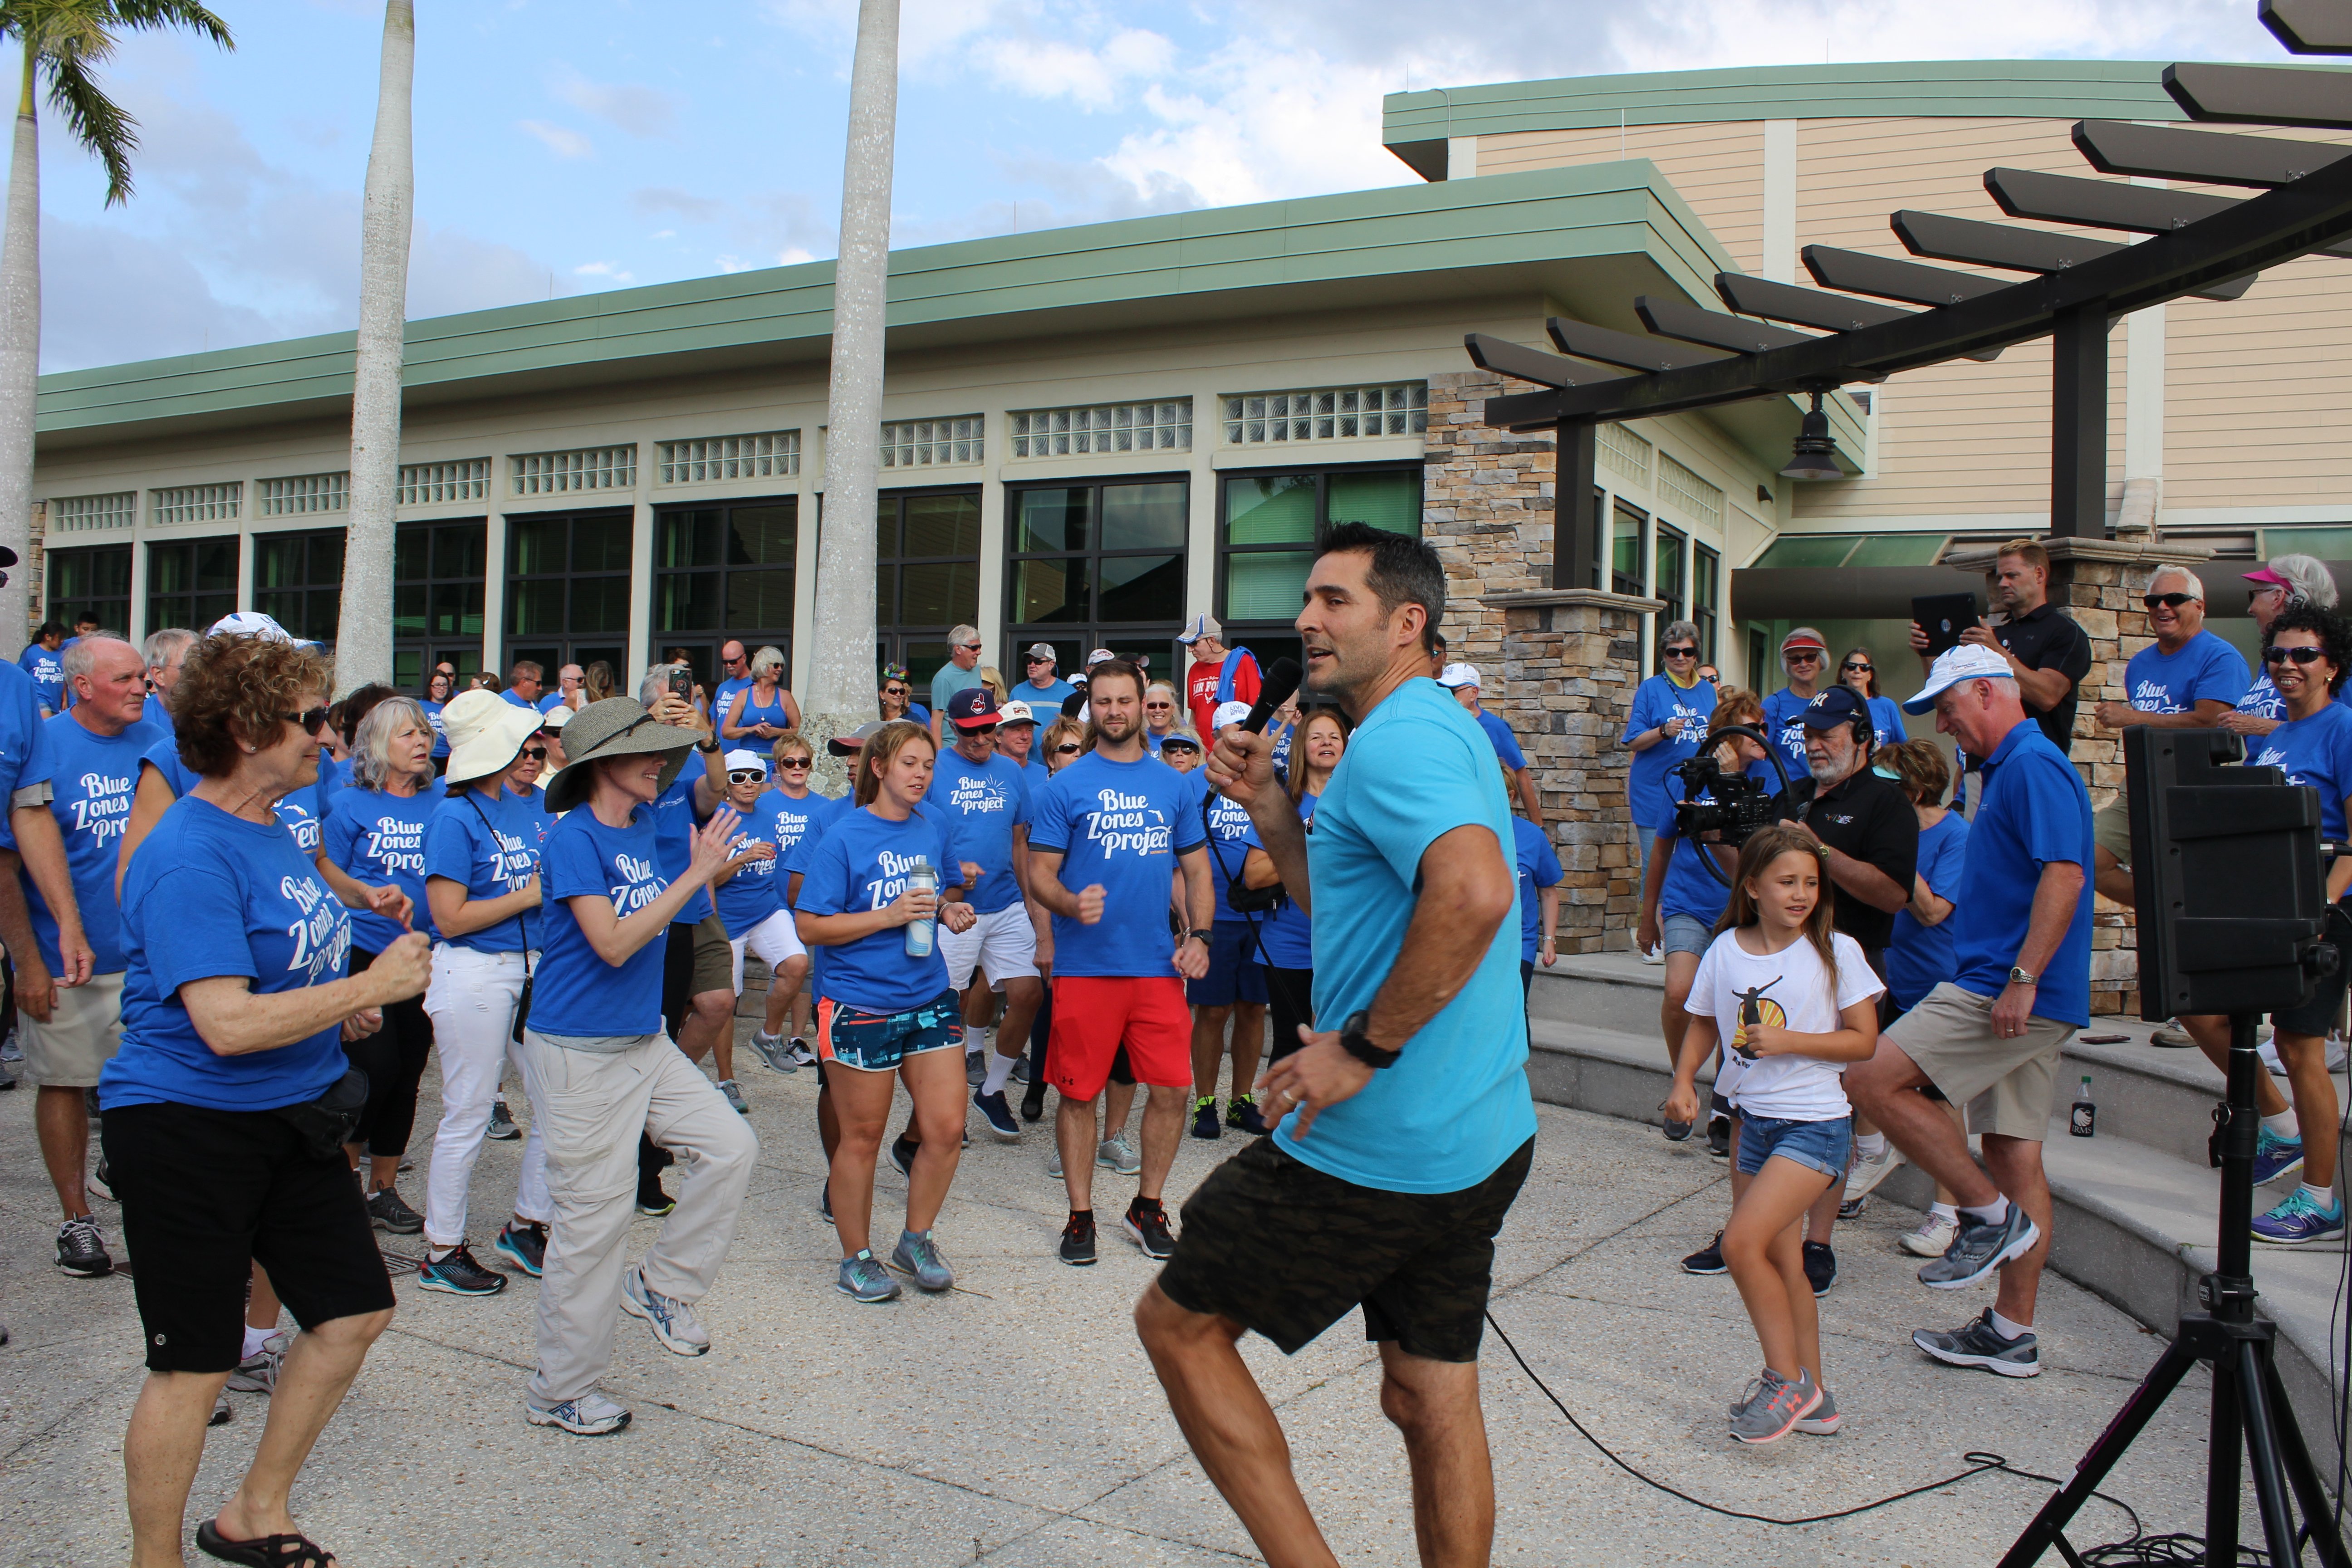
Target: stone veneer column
{"points": [[1486, 505], [2099, 582]]}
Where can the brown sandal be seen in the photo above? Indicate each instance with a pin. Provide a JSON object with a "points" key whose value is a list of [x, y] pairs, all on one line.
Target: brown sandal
{"points": [[296, 1551]]}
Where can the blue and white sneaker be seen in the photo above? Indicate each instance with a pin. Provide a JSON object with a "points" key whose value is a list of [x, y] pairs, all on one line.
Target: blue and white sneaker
{"points": [[863, 1278], [918, 1255], [1980, 1248], [2276, 1158], [2298, 1219], [590, 1415], [1000, 1115], [774, 1052], [525, 1245], [459, 1275], [671, 1320]]}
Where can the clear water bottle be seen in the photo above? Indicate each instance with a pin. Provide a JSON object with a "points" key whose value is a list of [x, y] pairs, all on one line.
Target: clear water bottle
{"points": [[2085, 1122], [921, 934]]}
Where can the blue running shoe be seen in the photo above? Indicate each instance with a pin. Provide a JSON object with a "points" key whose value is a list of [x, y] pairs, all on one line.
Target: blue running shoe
{"points": [[918, 1255], [999, 1115], [2298, 1219], [863, 1278], [2276, 1157]]}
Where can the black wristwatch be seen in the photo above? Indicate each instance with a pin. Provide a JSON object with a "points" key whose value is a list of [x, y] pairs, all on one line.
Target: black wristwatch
{"points": [[711, 750], [1357, 1043], [1199, 935]]}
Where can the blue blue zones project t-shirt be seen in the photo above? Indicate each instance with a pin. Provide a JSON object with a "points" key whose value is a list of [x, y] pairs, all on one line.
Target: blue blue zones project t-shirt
{"points": [[575, 992], [1229, 839], [1456, 1104], [2035, 810], [815, 815], [20, 732], [211, 895], [673, 815], [1887, 721], [1921, 956], [753, 892], [378, 838], [48, 672], [863, 865], [1121, 825], [1287, 935], [1656, 701], [298, 811], [440, 731], [92, 779], [1783, 720], [492, 848], [985, 801], [2316, 751], [1538, 869], [2206, 669], [2262, 699]]}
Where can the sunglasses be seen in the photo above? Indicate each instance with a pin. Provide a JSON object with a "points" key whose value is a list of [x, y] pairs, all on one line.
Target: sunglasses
{"points": [[311, 720], [977, 729], [536, 753], [970, 646], [797, 762], [1855, 669], [1804, 656], [2300, 655], [1068, 749], [1160, 707], [2169, 601], [1682, 653], [1046, 659], [895, 690], [747, 776], [1180, 746]]}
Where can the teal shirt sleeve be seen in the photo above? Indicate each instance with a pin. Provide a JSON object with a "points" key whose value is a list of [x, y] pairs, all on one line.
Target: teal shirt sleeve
{"points": [[1404, 811]]}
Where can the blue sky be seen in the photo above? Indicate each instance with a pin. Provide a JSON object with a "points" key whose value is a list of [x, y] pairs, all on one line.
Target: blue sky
{"points": [[564, 146]]}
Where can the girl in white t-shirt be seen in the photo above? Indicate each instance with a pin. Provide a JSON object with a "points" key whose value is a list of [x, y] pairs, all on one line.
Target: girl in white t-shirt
{"points": [[1794, 1001]]}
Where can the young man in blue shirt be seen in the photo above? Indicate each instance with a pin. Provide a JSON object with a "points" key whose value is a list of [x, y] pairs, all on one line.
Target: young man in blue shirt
{"points": [[2021, 943], [1044, 692], [2188, 677], [1406, 1126]]}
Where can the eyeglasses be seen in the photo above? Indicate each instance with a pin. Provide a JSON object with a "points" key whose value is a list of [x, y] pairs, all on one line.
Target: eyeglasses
{"points": [[1682, 653], [311, 720], [1159, 707], [1068, 749], [1855, 669], [1046, 658], [1180, 746], [895, 690], [2169, 601], [2300, 655], [977, 729], [731, 659], [1804, 656], [970, 646], [796, 762], [536, 753], [747, 776]]}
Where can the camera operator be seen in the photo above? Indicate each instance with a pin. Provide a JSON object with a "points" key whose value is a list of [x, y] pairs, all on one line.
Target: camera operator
{"points": [[2048, 654]]}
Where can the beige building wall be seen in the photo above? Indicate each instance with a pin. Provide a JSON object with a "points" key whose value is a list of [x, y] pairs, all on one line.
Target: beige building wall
{"points": [[1719, 169]]}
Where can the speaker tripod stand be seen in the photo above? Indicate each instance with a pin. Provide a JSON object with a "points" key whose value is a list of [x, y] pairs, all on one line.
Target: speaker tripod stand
{"points": [[2252, 1419]]}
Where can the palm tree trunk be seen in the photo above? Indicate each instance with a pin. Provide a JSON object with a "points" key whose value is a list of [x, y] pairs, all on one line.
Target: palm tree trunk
{"points": [[841, 693], [363, 636], [20, 359]]}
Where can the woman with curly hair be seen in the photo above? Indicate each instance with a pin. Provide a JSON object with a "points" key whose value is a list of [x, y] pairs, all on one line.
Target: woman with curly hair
{"points": [[226, 1109]]}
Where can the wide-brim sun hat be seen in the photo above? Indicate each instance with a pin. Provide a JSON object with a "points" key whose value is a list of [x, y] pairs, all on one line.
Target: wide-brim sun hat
{"points": [[616, 727], [485, 732]]}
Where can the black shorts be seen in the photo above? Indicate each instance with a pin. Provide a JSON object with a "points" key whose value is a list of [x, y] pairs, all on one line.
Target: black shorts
{"points": [[205, 1194], [2318, 1015], [1280, 1247]]}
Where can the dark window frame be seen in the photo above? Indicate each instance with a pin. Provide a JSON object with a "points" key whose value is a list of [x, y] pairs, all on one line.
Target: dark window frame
{"points": [[922, 646], [1635, 583], [1269, 639], [446, 585], [63, 610], [1672, 592], [1154, 637], [195, 608], [311, 608], [1706, 597], [551, 649], [702, 643]]}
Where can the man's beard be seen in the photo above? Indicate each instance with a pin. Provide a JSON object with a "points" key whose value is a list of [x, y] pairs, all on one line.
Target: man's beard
{"points": [[1828, 770], [1115, 728]]}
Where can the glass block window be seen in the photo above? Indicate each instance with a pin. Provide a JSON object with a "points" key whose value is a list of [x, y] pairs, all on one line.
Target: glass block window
{"points": [[439, 572], [195, 503], [298, 497], [926, 443], [775, 455], [94, 580], [190, 583], [72, 513], [1678, 487], [1327, 414], [437, 484], [298, 579], [587, 468], [1108, 428], [1623, 453]]}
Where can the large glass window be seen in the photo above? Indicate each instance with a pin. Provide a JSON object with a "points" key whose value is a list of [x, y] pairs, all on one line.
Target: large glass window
{"points": [[298, 578], [568, 590], [190, 583], [1098, 565], [929, 576], [1673, 550], [1267, 536], [439, 570], [1629, 552], [93, 582], [724, 572], [1706, 607]]}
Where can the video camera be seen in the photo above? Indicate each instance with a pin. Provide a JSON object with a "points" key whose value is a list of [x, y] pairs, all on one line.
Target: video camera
{"points": [[1737, 805]]}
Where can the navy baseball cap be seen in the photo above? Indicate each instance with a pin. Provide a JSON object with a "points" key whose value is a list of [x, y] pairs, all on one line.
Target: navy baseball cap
{"points": [[972, 707], [1835, 707]]}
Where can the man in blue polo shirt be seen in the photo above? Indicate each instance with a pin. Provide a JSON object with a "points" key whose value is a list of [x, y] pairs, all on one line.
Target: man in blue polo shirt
{"points": [[1461, 680], [2022, 939], [2188, 677]]}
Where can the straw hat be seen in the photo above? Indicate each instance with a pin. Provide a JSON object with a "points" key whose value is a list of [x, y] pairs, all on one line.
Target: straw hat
{"points": [[616, 727], [485, 733]]}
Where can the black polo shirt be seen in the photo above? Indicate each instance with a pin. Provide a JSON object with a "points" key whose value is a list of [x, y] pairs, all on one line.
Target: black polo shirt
{"points": [[2042, 639], [1867, 816]]}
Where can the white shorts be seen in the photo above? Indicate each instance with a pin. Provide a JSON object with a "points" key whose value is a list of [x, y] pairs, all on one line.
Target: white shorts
{"points": [[1002, 946], [775, 939]]}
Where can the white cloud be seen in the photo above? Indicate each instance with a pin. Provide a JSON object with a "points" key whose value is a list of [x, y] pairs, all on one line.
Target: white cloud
{"points": [[640, 110], [617, 276], [564, 143], [1063, 67], [793, 256]]}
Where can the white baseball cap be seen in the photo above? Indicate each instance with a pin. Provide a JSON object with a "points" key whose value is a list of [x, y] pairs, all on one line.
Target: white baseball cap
{"points": [[250, 624], [739, 761], [1968, 661], [1014, 712], [1201, 627], [1228, 713], [1100, 656], [1454, 676]]}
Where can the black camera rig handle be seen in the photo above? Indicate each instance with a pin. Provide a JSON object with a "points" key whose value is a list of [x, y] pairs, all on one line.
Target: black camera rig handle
{"points": [[1771, 754]]}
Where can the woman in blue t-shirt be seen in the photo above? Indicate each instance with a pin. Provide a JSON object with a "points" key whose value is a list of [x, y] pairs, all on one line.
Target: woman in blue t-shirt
{"points": [[225, 1108], [482, 849], [438, 690], [1859, 669], [883, 1012], [1285, 937], [372, 839]]}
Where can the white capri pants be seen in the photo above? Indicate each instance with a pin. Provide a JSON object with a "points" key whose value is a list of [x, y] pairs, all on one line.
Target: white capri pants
{"points": [[471, 1001], [1002, 945], [775, 939]]}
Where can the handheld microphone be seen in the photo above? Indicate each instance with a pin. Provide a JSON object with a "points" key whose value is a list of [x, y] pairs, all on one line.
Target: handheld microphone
{"points": [[1280, 684]]}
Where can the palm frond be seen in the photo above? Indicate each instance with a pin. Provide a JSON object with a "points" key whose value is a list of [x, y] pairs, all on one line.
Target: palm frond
{"points": [[154, 16], [102, 126]]}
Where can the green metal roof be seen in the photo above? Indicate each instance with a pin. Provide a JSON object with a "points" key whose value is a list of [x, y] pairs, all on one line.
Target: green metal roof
{"points": [[1416, 125], [1588, 236]]}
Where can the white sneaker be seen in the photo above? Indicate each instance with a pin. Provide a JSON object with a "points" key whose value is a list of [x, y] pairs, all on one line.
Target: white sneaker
{"points": [[258, 1373], [2268, 1050], [1053, 1163], [1866, 1172], [1930, 1236], [1118, 1155], [590, 1415], [671, 1320], [1653, 954]]}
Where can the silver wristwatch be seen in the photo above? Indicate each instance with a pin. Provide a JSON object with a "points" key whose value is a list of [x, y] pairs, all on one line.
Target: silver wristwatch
{"points": [[2020, 977]]}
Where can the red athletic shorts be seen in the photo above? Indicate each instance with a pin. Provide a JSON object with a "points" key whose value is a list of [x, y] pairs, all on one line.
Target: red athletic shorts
{"points": [[1096, 1014]]}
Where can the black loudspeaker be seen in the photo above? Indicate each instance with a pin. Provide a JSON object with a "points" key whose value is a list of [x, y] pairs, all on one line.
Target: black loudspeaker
{"points": [[2230, 879]]}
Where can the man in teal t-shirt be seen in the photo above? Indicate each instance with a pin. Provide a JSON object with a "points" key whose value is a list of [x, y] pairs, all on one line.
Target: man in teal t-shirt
{"points": [[1406, 1126]]}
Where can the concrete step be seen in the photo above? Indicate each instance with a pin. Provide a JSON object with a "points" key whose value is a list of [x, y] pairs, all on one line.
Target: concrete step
{"points": [[2134, 1223]]}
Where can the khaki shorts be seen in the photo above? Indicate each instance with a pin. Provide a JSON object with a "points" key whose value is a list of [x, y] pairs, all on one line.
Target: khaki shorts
{"points": [[714, 957], [80, 1038], [2007, 1085], [2111, 830]]}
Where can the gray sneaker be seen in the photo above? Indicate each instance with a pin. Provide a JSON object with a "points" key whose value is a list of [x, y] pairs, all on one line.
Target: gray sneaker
{"points": [[1979, 1249], [1772, 1407], [1118, 1155], [918, 1255], [671, 1320], [734, 1093], [1825, 1420], [590, 1415], [258, 1373], [774, 1052], [863, 1278], [1053, 1162], [1980, 1344]]}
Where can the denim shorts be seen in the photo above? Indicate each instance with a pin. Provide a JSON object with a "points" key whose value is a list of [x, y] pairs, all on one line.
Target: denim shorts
{"points": [[878, 1042], [1685, 933], [1821, 1146]]}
